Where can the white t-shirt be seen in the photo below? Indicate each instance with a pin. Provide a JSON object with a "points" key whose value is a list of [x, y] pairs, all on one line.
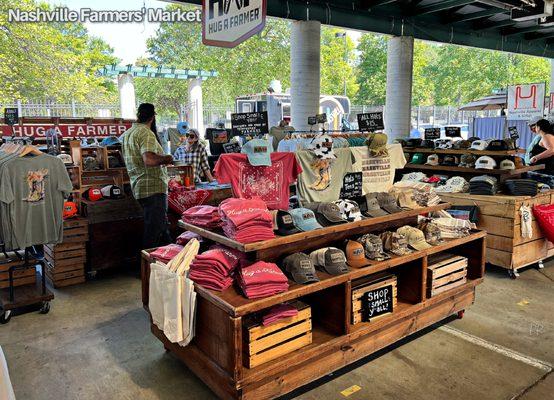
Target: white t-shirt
{"points": [[378, 172]]}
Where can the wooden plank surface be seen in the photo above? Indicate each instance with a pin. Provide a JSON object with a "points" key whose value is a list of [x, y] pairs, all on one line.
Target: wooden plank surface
{"points": [[257, 332], [66, 282], [506, 172], [464, 151], [285, 348], [436, 283], [258, 346], [450, 286], [520, 256]]}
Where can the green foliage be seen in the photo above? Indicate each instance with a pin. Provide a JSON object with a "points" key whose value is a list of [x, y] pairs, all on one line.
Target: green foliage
{"points": [[56, 62], [337, 59], [372, 70]]}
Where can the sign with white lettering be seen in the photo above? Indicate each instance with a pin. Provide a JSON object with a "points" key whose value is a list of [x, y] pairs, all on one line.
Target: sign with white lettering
{"points": [[526, 101], [371, 122], [231, 147], [11, 116], [66, 131], [432, 133], [378, 302], [452, 131], [227, 23], [351, 186], [254, 123]]}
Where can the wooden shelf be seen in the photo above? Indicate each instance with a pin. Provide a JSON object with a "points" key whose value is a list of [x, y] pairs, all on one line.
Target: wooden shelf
{"points": [[304, 236], [463, 170], [464, 151]]}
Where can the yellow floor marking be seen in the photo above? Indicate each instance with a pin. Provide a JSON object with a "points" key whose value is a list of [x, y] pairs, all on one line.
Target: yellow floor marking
{"points": [[523, 303], [351, 390]]}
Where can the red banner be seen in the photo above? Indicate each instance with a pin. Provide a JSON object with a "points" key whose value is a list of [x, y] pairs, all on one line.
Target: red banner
{"points": [[66, 131]]}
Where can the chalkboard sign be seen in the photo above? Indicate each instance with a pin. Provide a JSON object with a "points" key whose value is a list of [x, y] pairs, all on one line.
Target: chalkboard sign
{"points": [[11, 116], [321, 118], [452, 131], [351, 186], [371, 122], [514, 134], [231, 147], [432, 133], [254, 123], [312, 120], [378, 302]]}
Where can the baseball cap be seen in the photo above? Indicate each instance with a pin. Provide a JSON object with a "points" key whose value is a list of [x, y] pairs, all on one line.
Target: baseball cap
{"points": [[473, 139], [112, 192], [417, 158], [355, 255], [113, 162], [322, 147], [456, 184], [395, 243], [110, 141], [377, 144], [533, 121], [433, 159], [373, 207], [69, 209], [415, 237], [304, 219], [432, 233], [90, 164], [300, 268], [284, 223], [258, 152], [330, 260], [401, 142], [444, 143], [468, 160], [485, 162], [349, 210], [183, 127], [92, 194], [479, 145], [428, 144], [411, 143], [507, 164], [373, 247], [388, 202], [450, 160], [66, 159], [406, 198], [498, 145], [327, 214], [462, 144]]}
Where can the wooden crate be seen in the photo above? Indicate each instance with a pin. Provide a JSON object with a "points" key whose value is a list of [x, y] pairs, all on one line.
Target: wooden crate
{"points": [[445, 272], [20, 277], [266, 343], [500, 217], [366, 285]]}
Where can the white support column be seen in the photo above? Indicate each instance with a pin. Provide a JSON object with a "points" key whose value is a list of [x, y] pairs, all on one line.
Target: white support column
{"points": [[398, 109], [127, 99], [197, 107], [305, 58]]}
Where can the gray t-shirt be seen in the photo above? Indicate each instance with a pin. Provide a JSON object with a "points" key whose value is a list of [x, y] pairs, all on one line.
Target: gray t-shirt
{"points": [[5, 225], [34, 188]]}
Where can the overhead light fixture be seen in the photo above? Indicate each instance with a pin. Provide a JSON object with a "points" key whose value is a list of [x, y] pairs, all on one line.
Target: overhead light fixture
{"points": [[528, 12]]}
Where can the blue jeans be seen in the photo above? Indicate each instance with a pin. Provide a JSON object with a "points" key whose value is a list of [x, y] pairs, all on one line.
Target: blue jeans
{"points": [[156, 232]]}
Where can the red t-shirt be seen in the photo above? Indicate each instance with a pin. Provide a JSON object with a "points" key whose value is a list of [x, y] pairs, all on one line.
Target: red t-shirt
{"points": [[271, 184]]}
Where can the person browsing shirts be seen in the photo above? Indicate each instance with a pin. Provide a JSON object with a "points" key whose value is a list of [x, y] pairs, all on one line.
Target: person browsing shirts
{"points": [[145, 164], [543, 151], [194, 153]]}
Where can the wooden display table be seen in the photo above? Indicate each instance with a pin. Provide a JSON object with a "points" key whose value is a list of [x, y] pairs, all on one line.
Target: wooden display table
{"points": [[218, 353], [499, 215]]}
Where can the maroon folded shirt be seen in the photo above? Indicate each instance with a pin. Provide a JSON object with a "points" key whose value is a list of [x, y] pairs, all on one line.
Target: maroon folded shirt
{"points": [[279, 312], [166, 253]]}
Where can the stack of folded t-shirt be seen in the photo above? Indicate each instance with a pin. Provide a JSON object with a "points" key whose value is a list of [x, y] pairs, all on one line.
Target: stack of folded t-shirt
{"points": [[187, 236], [542, 178], [484, 185], [214, 268], [279, 312], [522, 187], [203, 216], [246, 220], [166, 253], [262, 279]]}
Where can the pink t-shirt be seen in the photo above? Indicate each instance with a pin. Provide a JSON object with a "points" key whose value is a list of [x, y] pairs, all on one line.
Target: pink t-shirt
{"points": [[271, 184]]}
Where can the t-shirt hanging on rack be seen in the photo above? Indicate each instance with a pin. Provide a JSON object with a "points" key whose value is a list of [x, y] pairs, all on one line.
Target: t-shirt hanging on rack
{"points": [[32, 192], [378, 172], [321, 180], [270, 183]]}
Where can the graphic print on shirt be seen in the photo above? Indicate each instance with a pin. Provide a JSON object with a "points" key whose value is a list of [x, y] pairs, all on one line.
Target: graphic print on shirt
{"points": [[322, 170], [35, 181], [376, 170], [262, 182]]}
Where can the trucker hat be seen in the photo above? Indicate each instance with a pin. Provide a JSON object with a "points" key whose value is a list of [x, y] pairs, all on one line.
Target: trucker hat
{"points": [[183, 127], [468, 160], [322, 147], [110, 141], [373, 207], [507, 164], [433, 159], [473, 139], [355, 255], [406, 198], [388, 202], [70, 209], [284, 223], [373, 247], [417, 158], [377, 144], [327, 214], [395, 243], [411, 143], [444, 143], [90, 164], [92, 194], [330, 260], [300, 268], [428, 144], [462, 144], [479, 145], [498, 145], [450, 160], [258, 152], [112, 192], [432, 233], [304, 219], [349, 210], [415, 237], [114, 162], [66, 159], [485, 162]]}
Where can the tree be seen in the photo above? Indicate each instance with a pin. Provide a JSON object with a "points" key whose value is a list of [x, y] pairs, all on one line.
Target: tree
{"points": [[51, 61], [337, 63]]}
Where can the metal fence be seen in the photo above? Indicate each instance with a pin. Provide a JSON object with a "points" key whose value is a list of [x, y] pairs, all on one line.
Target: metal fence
{"points": [[40, 108]]}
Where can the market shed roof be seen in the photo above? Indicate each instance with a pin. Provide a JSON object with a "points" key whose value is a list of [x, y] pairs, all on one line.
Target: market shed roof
{"points": [[485, 24]]}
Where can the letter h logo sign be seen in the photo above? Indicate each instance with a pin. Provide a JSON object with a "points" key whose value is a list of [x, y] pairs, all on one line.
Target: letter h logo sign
{"points": [[531, 97]]}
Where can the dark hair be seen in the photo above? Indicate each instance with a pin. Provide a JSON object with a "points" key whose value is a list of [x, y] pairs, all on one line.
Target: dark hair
{"points": [[545, 126], [145, 112]]}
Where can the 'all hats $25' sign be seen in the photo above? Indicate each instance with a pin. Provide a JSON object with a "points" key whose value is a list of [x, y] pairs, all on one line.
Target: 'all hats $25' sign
{"points": [[227, 23]]}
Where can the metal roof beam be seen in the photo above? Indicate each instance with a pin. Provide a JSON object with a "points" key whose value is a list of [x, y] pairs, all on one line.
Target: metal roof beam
{"points": [[473, 16], [537, 36], [519, 31], [488, 25], [440, 6]]}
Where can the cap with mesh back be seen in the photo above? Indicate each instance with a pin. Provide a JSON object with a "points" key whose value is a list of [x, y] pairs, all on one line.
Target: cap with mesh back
{"points": [[485, 162], [388, 202], [373, 247], [330, 260], [462, 144], [432, 233], [479, 145], [428, 144], [450, 160], [468, 160], [498, 145], [112, 192], [411, 143], [373, 207], [418, 158], [300, 268], [444, 143], [507, 164], [433, 159], [285, 224], [327, 214], [473, 139], [66, 159], [395, 243], [415, 237]]}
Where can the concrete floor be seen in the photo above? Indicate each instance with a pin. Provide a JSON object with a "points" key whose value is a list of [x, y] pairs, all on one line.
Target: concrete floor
{"points": [[95, 344]]}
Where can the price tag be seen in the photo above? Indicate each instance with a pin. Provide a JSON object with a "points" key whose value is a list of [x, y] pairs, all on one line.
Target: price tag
{"points": [[11, 116], [231, 147], [371, 122], [378, 302], [452, 131], [432, 133], [254, 123], [351, 186]]}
